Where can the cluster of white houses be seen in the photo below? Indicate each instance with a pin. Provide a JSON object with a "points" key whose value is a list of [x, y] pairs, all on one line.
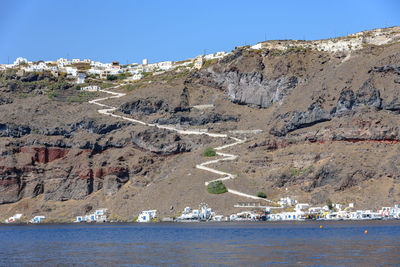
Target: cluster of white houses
{"points": [[99, 215], [293, 211], [18, 216], [79, 69]]}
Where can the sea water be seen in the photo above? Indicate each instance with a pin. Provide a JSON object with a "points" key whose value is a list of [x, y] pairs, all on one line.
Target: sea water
{"points": [[202, 244]]}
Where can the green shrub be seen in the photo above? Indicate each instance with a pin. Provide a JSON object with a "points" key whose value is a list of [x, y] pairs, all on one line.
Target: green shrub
{"points": [[52, 94], [111, 77], [216, 187], [209, 152], [261, 194], [329, 203]]}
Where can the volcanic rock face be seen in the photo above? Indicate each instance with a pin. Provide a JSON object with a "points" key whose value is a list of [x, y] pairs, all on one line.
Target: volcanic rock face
{"points": [[318, 124], [250, 87], [152, 105]]}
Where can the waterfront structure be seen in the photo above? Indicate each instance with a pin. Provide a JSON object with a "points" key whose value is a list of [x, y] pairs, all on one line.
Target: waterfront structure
{"points": [[37, 219], [14, 218], [99, 215], [147, 216]]}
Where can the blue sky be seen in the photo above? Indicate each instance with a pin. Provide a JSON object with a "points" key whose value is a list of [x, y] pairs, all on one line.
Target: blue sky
{"points": [[128, 31]]}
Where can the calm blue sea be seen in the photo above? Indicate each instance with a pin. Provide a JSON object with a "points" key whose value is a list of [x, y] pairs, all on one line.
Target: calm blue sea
{"points": [[202, 244]]}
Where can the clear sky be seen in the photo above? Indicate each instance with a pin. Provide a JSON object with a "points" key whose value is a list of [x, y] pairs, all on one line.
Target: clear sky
{"points": [[128, 31]]}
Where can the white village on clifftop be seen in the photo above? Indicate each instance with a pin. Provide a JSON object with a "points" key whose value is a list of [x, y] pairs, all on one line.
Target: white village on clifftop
{"points": [[82, 69]]}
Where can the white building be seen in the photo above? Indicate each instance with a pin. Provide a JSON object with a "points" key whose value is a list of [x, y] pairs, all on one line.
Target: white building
{"points": [[215, 55], [20, 60], [198, 63], [91, 88], [76, 60], [301, 206], [165, 65], [147, 215], [145, 61], [71, 71], [95, 71], [137, 76], [37, 219], [14, 218], [286, 201], [256, 46], [98, 216], [81, 78]]}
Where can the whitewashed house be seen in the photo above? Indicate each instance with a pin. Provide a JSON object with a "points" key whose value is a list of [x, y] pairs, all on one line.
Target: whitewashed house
{"points": [[147, 216], [79, 219], [71, 71], [198, 63], [20, 60], [165, 65], [137, 76], [301, 206], [98, 216], [215, 55], [286, 201], [14, 218], [81, 78], [37, 219], [94, 71], [91, 88]]}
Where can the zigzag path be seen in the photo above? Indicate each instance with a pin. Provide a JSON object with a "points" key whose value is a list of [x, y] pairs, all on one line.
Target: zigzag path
{"points": [[108, 110]]}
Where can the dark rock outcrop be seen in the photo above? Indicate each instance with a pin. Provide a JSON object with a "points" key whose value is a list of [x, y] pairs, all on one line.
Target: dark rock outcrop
{"points": [[193, 120], [388, 68], [5, 100], [162, 142], [366, 96], [13, 130], [144, 106]]}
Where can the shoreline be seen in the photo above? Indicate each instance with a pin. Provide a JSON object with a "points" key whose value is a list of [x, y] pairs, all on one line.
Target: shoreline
{"points": [[226, 223]]}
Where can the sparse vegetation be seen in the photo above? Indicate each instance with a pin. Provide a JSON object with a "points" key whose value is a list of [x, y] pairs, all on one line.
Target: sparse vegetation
{"points": [[147, 74], [209, 152], [116, 218], [52, 94], [25, 95], [208, 63], [216, 187], [106, 85], [81, 97], [297, 172], [296, 49]]}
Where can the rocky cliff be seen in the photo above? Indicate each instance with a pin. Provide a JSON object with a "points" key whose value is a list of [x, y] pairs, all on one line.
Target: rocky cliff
{"points": [[320, 120]]}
